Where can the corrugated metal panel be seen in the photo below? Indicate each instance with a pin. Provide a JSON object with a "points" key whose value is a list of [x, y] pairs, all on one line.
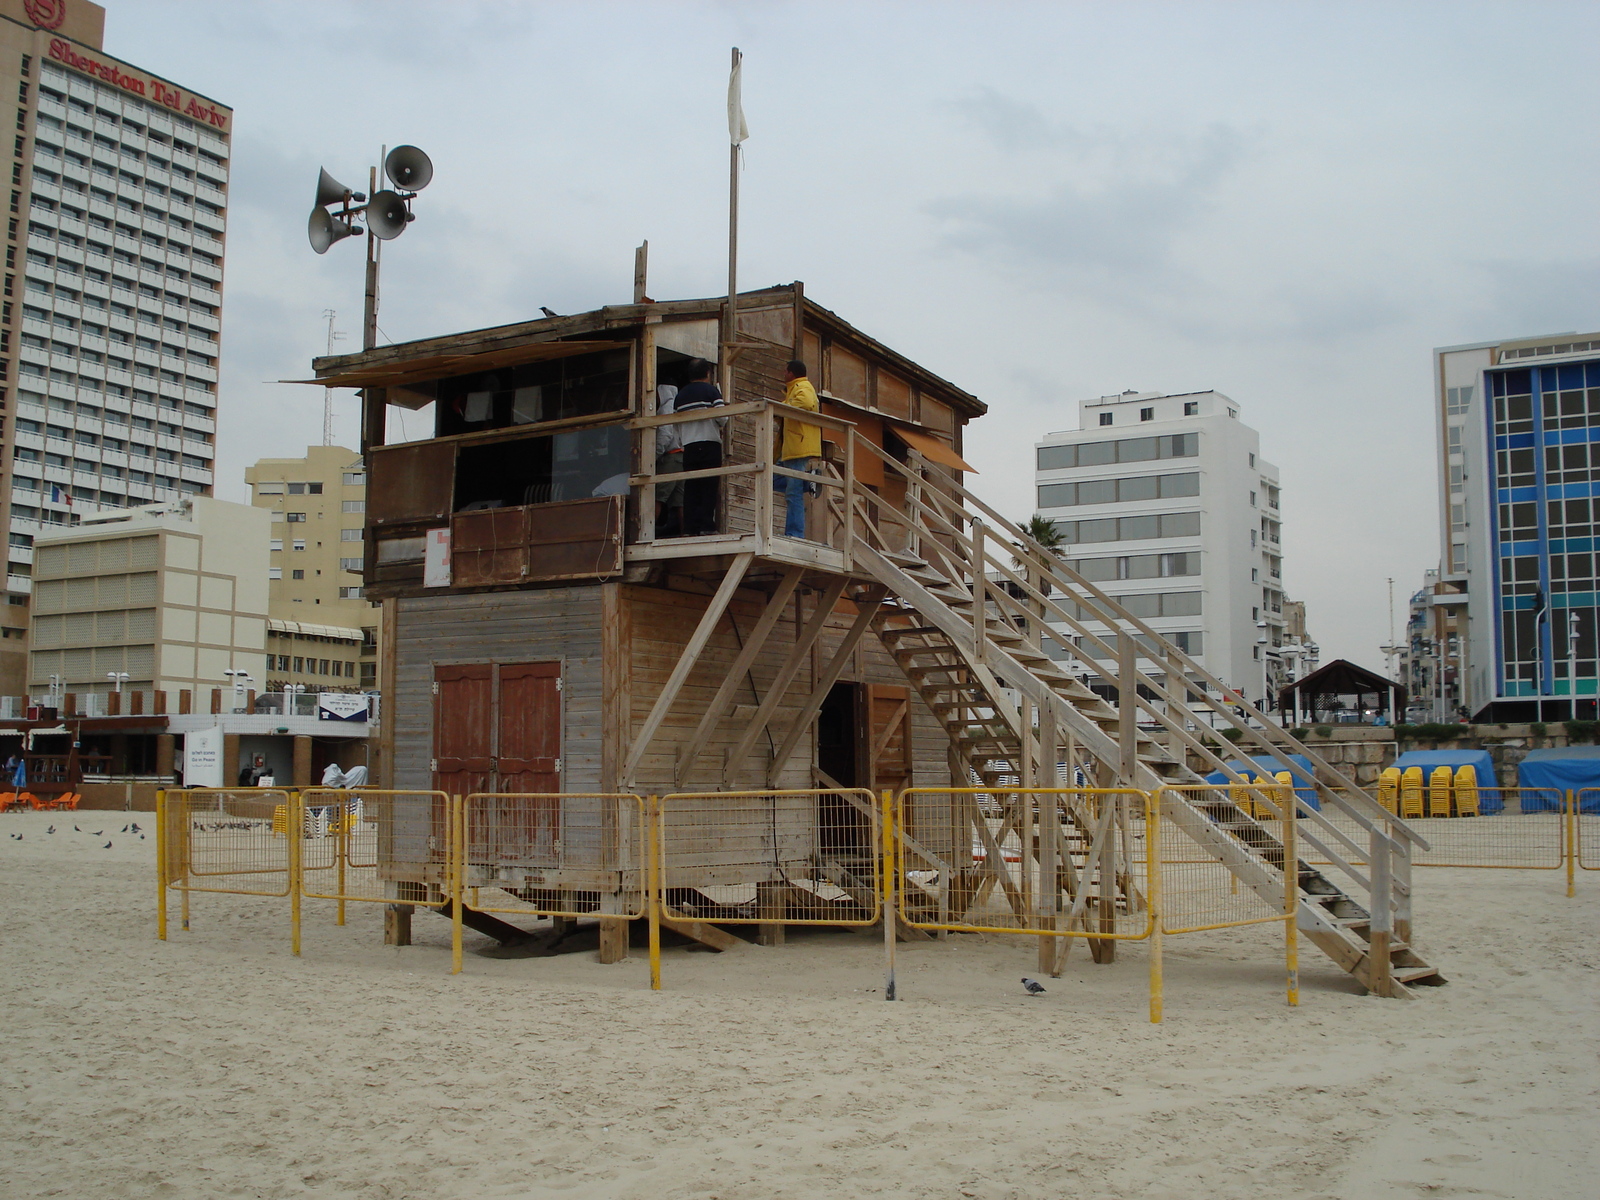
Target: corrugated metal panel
{"points": [[412, 482]]}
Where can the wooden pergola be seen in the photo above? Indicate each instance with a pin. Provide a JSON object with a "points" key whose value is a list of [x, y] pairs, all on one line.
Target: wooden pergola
{"points": [[1322, 693]]}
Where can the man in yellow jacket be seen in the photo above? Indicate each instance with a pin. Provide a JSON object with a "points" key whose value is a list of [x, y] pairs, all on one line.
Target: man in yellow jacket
{"points": [[802, 442]]}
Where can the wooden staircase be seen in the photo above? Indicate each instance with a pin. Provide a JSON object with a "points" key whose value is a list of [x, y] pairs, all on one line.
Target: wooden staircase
{"points": [[962, 663]]}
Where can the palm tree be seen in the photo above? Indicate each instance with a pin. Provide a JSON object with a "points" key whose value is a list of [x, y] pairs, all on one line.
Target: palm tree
{"points": [[1045, 532]]}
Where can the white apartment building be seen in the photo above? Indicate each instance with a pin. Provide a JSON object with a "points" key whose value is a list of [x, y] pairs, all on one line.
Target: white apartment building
{"points": [[1165, 503], [112, 288]]}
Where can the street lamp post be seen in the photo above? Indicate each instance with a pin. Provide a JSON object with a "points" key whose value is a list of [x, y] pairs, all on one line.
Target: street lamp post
{"points": [[118, 678], [1262, 641]]}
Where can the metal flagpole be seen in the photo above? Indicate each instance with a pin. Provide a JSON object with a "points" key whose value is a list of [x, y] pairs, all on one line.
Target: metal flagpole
{"points": [[737, 132]]}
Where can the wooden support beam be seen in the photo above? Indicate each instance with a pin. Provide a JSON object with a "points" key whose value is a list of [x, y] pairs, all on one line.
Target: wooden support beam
{"points": [[397, 924], [703, 932], [1049, 841], [1128, 708], [772, 900], [680, 673], [736, 673], [798, 656], [613, 939], [830, 676]]}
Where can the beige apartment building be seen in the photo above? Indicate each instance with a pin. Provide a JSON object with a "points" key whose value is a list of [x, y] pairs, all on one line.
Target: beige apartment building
{"points": [[112, 288], [322, 635], [166, 597]]}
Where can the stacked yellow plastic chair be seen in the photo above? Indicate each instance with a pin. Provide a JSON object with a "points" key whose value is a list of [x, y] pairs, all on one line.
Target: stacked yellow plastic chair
{"points": [[1389, 789], [1241, 797], [1411, 792], [1285, 793], [1467, 792], [1439, 791]]}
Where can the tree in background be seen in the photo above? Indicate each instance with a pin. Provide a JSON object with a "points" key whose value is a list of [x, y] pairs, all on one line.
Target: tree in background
{"points": [[1044, 531]]}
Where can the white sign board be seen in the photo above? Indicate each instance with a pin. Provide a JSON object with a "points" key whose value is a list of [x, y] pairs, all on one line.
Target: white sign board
{"points": [[436, 559], [341, 706], [202, 758]]}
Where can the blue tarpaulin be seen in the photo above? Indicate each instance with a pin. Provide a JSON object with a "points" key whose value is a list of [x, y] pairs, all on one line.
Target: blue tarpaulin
{"points": [[1489, 798], [1298, 766], [1574, 767]]}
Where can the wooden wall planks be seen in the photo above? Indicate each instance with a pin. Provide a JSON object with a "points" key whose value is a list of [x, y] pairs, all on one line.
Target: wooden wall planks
{"points": [[533, 626]]}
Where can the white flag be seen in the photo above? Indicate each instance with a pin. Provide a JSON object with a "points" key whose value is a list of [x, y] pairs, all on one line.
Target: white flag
{"points": [[737, 130]]}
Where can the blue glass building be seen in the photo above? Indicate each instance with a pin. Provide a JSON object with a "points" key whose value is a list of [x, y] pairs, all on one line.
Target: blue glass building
{"points": [[1516, 607]]}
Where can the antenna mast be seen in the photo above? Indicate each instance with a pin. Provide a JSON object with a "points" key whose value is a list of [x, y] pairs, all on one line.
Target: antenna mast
{"points": [[327, 393]]}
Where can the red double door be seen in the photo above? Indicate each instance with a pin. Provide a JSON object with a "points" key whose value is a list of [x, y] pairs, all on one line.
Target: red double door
{"points": [[497, 728]]}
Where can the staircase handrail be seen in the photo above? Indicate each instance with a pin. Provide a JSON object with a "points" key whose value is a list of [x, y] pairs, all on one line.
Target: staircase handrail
{"points": [[1050, 565], [1005, 601]]}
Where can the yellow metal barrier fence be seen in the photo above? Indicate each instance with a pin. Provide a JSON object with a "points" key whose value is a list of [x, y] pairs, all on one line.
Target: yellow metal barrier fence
{"points": [[801, 857], [1198, 891], [1259, 825], [223, 840], [378, 845], [1469, 826], [1053, 862]]}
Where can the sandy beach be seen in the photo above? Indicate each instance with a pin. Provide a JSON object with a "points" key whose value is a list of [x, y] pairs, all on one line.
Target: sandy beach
{"points": [[217, 1065]]}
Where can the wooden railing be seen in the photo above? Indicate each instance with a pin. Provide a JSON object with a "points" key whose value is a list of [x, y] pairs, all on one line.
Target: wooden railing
{"points": [[749, 511]]}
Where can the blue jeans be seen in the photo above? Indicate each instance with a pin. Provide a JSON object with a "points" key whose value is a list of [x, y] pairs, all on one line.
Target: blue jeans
{"points": [[794, 521]]}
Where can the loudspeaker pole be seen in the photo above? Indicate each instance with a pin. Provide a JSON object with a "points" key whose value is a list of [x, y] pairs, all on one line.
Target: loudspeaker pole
{"points": [[369, 314]]}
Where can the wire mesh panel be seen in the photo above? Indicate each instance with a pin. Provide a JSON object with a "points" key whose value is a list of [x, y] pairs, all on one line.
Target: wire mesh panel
{"points": [[782, 857], [1517, 828], [227, 840], [555, 854], [1050, 862], [376, 845], [1198, 889]]}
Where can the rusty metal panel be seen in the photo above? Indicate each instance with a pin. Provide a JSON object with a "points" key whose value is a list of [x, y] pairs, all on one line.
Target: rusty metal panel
{"points": [[410, 482], [489, 546], [576, 539]]}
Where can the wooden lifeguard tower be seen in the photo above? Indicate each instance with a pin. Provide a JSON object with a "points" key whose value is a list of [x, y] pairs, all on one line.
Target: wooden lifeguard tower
{"points": [[540, 638]]}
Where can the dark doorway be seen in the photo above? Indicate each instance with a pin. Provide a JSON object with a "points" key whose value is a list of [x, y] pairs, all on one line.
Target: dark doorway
{"points": [[841, 827], [837, 735]]}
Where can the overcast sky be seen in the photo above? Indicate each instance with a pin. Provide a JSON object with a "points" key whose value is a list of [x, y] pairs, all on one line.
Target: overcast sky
{"points": [[1289, 203]]}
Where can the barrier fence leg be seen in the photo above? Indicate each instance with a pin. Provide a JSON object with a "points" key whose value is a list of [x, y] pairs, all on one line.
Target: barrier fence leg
{"points": [[297, 817], [161, 864], [341, 847], [455, 881], [1291, 898], [1572, 840], [888, 899], [1152, 851], [653, 887]]}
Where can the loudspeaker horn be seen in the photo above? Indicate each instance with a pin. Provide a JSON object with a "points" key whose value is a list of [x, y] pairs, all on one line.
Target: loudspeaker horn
{"points": [[387, 215], [324, 229], [331, 191], [408, 168]]}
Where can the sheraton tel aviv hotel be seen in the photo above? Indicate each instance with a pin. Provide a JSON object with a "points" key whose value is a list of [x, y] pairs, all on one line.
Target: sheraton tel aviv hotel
{"points": [[112, 298]]}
